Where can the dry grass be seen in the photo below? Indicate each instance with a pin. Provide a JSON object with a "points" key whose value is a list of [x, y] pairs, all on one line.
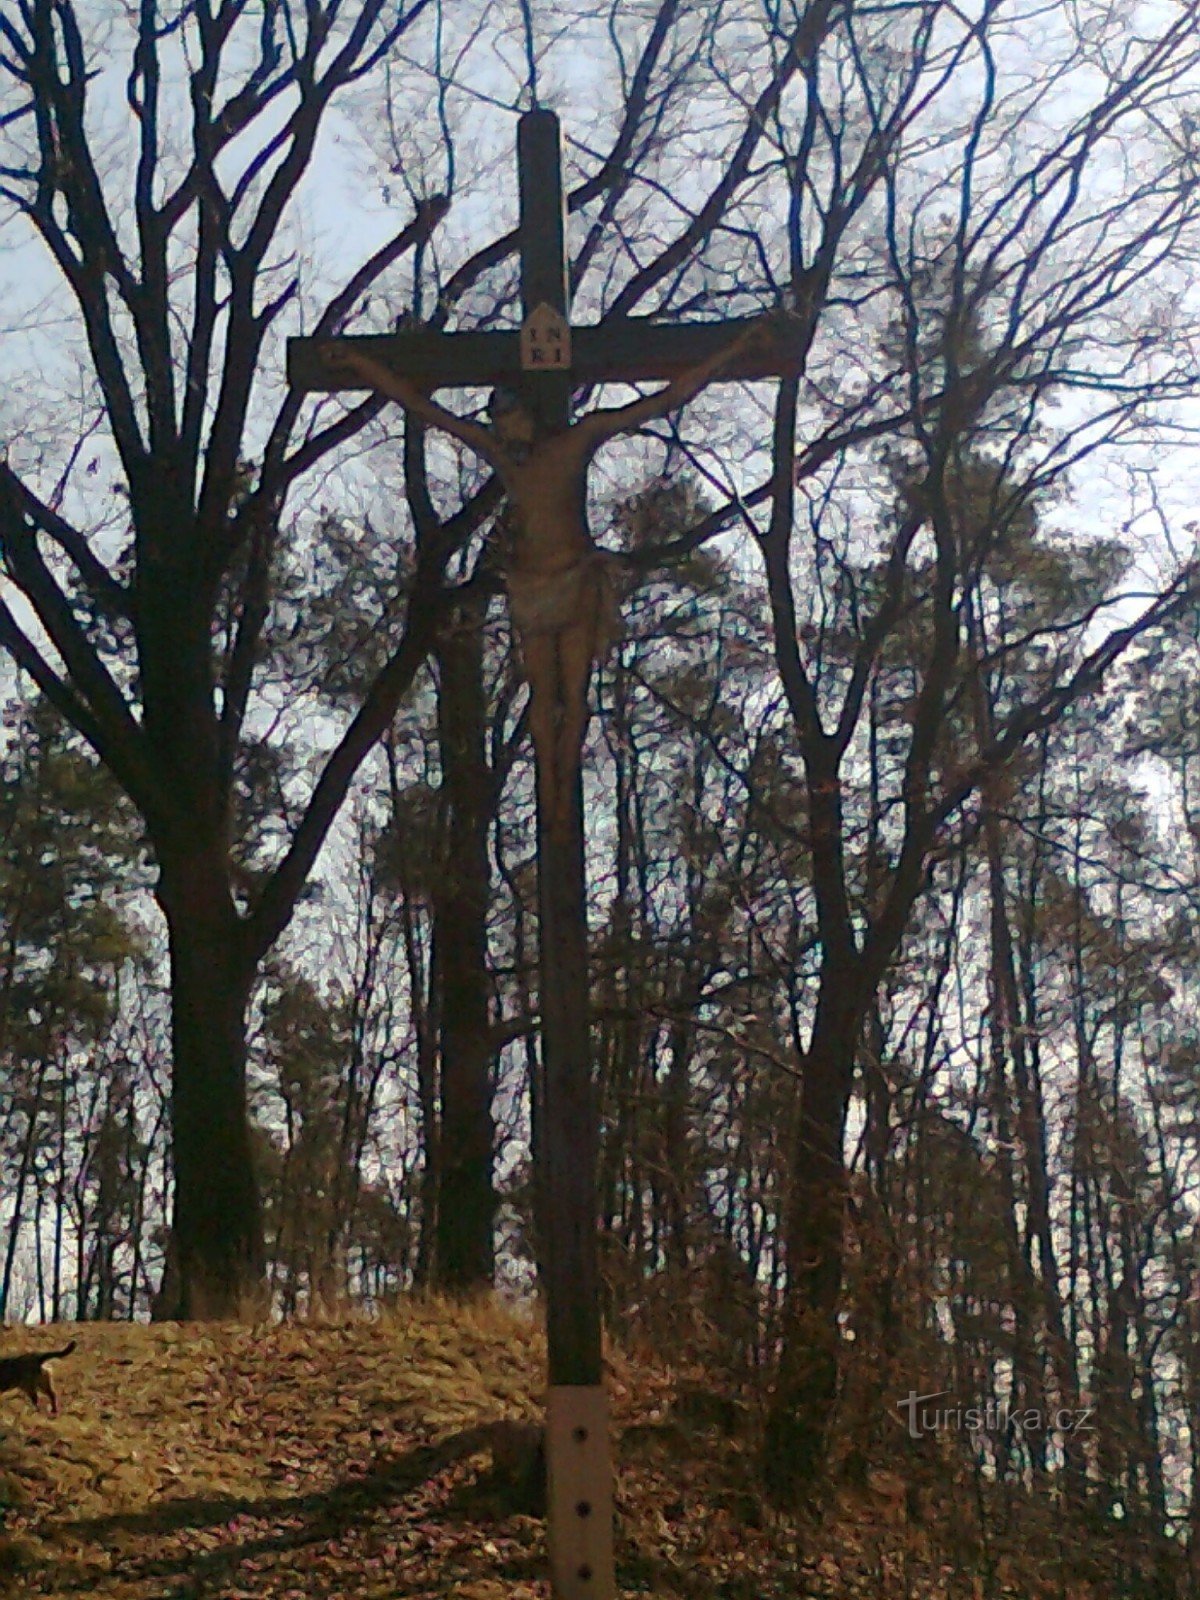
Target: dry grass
{"points": [[299, 1462], [227, 1460]]}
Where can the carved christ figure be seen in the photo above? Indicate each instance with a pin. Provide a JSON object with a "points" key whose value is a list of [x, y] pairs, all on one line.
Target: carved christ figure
{"points": [[562, 597]]}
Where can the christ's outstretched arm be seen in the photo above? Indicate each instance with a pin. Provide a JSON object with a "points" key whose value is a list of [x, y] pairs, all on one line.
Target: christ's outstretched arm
{"points": [[375, 375], [597, 427]]}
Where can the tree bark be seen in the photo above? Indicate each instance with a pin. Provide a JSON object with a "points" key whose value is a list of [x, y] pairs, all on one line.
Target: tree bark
{"points": [[801, 1409], [217, 1224], [466, 1205]]}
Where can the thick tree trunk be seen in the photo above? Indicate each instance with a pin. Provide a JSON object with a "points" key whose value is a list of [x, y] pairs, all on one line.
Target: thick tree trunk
{"points": [[217, 1227], [466, 1204], [806, 1387]]}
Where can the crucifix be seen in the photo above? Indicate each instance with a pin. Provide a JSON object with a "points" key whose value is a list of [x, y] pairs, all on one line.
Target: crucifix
{"points": [[563, 607]]}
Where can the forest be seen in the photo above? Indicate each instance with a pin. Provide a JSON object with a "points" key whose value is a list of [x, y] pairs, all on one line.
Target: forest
{"points": [[891, 784]]}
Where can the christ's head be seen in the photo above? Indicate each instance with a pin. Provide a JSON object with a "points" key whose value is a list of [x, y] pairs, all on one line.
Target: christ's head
{"points": [[512, 423]]}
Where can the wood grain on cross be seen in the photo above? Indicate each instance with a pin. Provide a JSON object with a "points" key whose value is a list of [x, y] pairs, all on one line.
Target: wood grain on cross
{"points": [[562, 603]]}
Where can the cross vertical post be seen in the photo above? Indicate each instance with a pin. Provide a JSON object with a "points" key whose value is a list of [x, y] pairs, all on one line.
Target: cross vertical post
{"points": [[579, 1466], [546, 390]]}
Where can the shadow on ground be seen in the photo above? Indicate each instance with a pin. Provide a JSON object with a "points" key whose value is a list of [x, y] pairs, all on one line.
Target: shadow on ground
{"points": [[288, 1523]]}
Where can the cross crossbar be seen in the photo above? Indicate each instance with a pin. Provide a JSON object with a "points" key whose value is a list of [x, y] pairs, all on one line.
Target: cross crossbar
{"points": [[629, 350]]}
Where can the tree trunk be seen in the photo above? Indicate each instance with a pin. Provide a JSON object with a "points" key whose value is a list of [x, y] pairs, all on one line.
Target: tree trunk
{"points": [[466, 1202], [677, 1155], [422, 988], [806, 1387], [217, 1225], [27, 1153]]}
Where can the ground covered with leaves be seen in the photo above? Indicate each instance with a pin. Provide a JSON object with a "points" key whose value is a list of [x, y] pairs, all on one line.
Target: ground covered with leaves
{"points": [[295, 1462]]}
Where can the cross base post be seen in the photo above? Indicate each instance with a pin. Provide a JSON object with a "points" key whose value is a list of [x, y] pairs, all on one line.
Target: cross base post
{"points": [[579, 1498]]}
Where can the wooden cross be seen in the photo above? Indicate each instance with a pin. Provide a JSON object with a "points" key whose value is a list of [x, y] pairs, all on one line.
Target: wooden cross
{"points": [[624, 350], [563, 607]]}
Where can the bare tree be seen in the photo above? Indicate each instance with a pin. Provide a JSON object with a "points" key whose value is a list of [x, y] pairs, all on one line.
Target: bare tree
{"points": [[153, 655], [1010, 276]]}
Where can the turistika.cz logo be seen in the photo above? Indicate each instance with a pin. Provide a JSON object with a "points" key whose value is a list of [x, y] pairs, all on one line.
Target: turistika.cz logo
{"points": [[921, 1415]]}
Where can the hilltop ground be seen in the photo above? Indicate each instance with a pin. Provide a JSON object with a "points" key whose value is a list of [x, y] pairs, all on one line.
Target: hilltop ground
{"points": [[305, 1461]]}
